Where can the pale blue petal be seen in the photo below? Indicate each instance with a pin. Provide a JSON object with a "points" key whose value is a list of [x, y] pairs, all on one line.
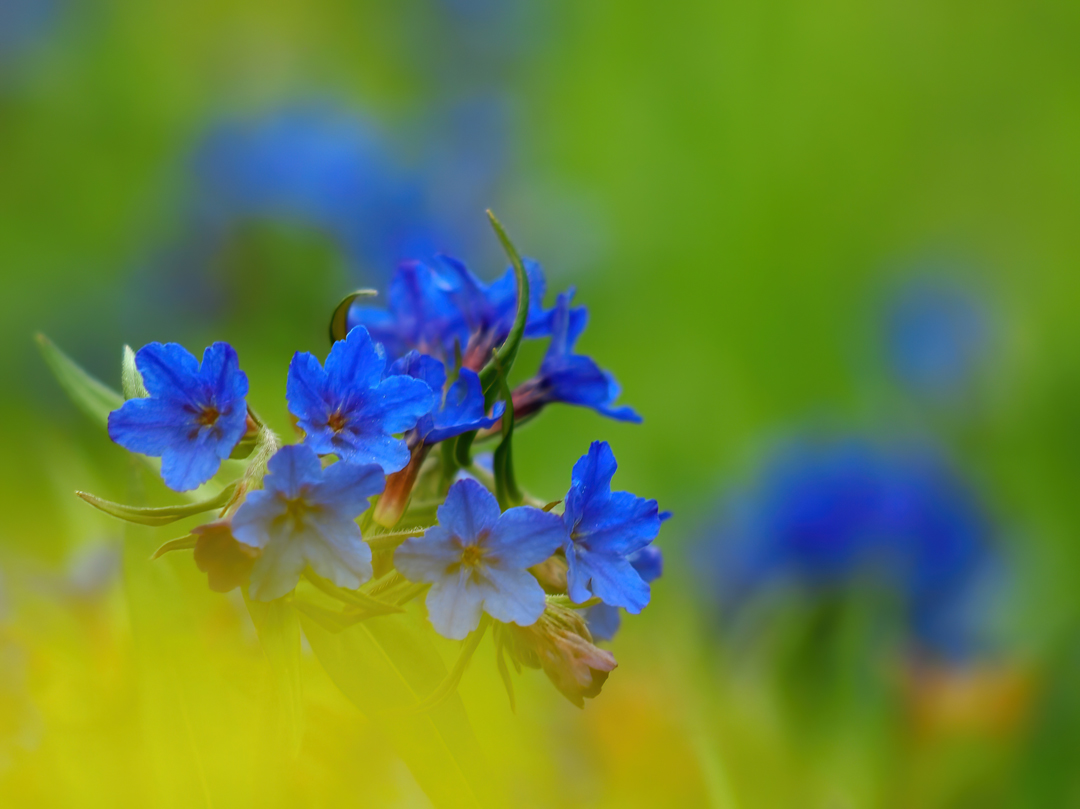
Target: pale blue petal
{"points": [[469, 510], [428, 558], [516, 596], [454, 605]]}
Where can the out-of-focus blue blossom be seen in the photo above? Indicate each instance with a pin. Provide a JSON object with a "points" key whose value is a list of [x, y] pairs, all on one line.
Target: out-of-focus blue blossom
{"points": [[568, 377], [603, 529], [348, 409], [936, 334], [459, 410], [305, 515], [320, 166], [23, 23], [477, 560], [194, 417], [439, 310], [603, 619], [825, 514]]}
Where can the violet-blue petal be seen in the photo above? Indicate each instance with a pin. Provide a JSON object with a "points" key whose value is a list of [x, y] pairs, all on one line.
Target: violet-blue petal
{"points": [[610, 578], [427, 558], [398, 402], [354, 363], [469, 510], [526, 536], [463, 410]]}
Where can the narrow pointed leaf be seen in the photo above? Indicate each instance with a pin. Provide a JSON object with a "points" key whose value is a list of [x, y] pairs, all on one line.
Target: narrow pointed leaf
{"points": [[506, 488], [131, 381], [181, 544], [278, 626], [449, 685], [389, 663], [162, 515], [505, 356], [353, 597], [94, 398]]}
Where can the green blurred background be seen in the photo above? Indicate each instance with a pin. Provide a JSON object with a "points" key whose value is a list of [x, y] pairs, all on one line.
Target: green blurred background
{"points": [[734, 188]]}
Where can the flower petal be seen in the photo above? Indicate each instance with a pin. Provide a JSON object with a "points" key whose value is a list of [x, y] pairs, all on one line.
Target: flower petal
{"points": [[610, 578], [333, 548], [150, 426], [621, 524], [398, 402], [346, 487], [454, 605], [187, 465], [220, 372], [526, 536], [589, 481], [515, 597], [428, 558], [469, 510], [306, 390], [354, 363], [292, 468], [170, 372], [392, 454], [277, 570]]}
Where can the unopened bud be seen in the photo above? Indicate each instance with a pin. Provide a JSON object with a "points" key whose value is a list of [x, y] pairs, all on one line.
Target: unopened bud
{"points": [[560, 644]]}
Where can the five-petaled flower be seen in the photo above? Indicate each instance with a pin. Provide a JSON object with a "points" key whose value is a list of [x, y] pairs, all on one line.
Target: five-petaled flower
{"points": [[305, 516], [476, 560], [603, 529], [195, 414], [568, 377], [348, 409]]}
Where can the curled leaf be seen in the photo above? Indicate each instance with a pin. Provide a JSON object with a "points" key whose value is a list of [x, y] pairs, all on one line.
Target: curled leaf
{"points": [[339, 321]]}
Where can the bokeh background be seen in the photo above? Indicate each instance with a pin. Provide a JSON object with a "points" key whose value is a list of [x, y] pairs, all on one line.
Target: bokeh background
{"points": [[830, 251]]}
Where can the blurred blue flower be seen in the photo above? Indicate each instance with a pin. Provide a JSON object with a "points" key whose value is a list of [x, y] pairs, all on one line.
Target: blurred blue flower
{"points": [[459, 410], [936, 335], [477, 560], [321, 166], [348, 409], [603, 619], [826, 514], [194, 417], [603, 529], [568, 377], [305, 515], [23, 23]]}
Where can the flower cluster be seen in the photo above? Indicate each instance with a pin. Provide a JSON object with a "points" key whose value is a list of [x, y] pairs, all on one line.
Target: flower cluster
{"points": [[387, 426]]}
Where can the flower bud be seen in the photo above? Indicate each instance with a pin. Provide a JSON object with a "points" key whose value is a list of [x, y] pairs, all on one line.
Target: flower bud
{"points": [[560, 644], [399, 486], [226, 562]]}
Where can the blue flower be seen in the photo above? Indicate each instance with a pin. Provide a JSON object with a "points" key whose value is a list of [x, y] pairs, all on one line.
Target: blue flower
{"points": [[827, 514], [305, 515], [322, 167], [603, 619], [194, 417], [937, 335], [349, 410], [604, 528], [437, 310], [477, 560], [568, 377], [461, 410]]}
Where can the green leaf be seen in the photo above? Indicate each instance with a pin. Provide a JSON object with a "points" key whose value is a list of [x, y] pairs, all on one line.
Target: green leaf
{"points": [[506, 488], [449, 686], [504, 358], [131, 381], [389, 664], [94, 398], [354, 598], [278, 626], [339, 321], [162, 515]]}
